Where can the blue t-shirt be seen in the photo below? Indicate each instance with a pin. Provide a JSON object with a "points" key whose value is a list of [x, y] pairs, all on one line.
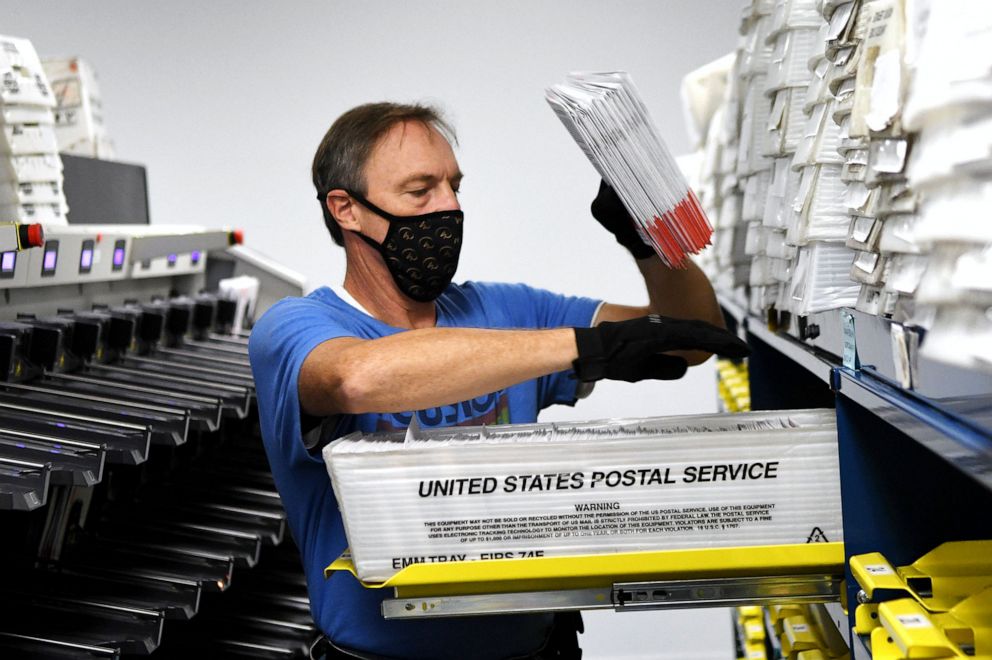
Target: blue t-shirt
{"points": [[348, 613]]}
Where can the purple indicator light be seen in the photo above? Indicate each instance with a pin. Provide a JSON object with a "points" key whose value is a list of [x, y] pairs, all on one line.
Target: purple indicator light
{"points": [[118, 256], [172, 259], [49, 263], [86, 259], [7, 261], [61, 425], [195, 257]]}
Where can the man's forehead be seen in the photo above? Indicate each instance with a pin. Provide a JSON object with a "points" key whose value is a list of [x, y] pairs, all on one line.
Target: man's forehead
{"points": [[411, 147]]}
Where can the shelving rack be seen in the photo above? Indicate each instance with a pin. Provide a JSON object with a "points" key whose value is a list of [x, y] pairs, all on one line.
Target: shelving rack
{"points": [[915, 464]]}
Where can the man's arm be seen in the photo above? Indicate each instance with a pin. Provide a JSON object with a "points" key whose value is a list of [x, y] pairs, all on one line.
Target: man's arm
{"points": [[675, 293], [680, 294], [424, 368], [435, 366]]}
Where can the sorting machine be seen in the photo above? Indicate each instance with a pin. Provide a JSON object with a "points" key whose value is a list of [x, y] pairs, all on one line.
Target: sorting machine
{"points": [[137, 512]]}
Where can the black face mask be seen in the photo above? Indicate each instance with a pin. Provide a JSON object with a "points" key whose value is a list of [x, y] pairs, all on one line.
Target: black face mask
{"points": [[421, 251]]}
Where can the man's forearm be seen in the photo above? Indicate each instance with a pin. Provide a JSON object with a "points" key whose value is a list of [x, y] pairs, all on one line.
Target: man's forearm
{"points": [[430, 367], [680, 293]]}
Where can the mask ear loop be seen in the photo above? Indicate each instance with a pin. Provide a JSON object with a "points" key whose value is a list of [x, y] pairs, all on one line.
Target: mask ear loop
{"points": [[388, 217], [372, 207]]}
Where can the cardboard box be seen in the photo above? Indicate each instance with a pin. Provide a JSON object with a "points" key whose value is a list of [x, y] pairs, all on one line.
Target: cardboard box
{"points": [[473, 493]]}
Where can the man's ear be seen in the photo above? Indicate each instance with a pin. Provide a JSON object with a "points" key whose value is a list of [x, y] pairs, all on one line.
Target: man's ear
{"points": [[342, 209]]}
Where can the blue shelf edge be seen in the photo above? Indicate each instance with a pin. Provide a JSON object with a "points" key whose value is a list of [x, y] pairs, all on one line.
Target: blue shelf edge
{"points": [[957, 439]]}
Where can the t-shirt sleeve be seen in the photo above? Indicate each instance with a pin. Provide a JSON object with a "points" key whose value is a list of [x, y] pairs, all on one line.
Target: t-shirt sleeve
{"points": [[530, 307], [277, 348]]}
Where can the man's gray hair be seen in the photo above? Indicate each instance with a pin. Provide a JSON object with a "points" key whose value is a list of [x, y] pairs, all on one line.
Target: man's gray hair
{"points": [[343, 153]]}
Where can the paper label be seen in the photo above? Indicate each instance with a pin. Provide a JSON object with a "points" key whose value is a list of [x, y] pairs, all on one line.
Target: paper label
{"points": [[900, 355], [879, 569], [800, 628], [850, 340], [914, 621]]}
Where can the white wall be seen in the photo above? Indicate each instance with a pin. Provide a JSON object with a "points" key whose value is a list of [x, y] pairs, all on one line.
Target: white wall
{"points": [[225, 103]]}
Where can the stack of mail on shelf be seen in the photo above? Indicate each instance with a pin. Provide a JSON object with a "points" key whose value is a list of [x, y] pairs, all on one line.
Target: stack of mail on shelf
{"points": [[950, 109], [803, 201], [30, 167], [754, 166], [788, 174], [882, 205], [864, 179], [586, 488], [818, 222], [846, 45]]}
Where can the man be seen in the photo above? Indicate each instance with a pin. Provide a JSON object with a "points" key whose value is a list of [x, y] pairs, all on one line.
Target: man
{"points": [[399, 340]]}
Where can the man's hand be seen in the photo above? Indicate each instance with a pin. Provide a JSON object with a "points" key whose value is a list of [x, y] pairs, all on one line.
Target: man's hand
{"points": [[612, 214], [634, 350]]}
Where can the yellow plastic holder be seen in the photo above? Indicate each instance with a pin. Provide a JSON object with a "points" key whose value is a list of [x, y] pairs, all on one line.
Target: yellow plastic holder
{"points": [[877, 577], [866, 618], [949, 573], [755, 651], [812, 654], [882, 646], [909, 626], [969, 624], [798, 634], [749, 612]]}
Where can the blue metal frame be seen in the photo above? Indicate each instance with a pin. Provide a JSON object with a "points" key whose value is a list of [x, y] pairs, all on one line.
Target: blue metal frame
{"points": [[915, 471], [956, 439]]}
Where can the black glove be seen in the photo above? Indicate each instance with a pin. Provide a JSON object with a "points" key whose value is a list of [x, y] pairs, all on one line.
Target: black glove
{"points": [[612, 214], [634, 350]]}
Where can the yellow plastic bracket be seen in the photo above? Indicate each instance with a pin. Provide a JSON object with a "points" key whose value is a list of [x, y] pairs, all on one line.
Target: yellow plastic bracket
{"points": [[814, 654], [778, 612], [866, 618], [754, 630], [798, 634], [882, 646], [969, 623], [877, 577], [949, 573], [909, 626], [749, 612], [755, 651]]}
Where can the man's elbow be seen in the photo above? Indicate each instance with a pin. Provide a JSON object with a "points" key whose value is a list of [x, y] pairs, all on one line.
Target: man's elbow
{"points": [[354, 394], [337, 394]]}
